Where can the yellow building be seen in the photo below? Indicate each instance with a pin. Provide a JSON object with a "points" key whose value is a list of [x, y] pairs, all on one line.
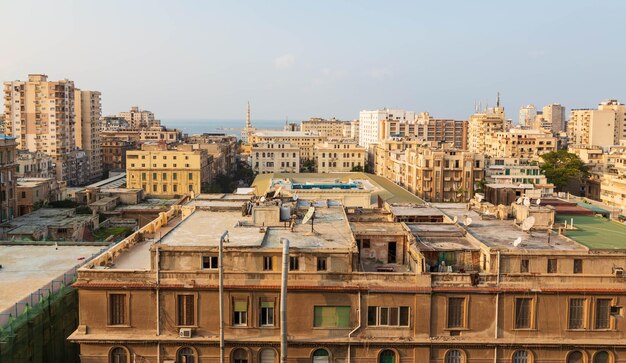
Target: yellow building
{"points": [[604, 127], [269, 157], [481, 125], [339, 156], [613, 181], [518, 143], [167, 172], [305, 141], [329, 128]]}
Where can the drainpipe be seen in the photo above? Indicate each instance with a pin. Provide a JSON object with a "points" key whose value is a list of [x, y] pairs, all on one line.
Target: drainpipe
{"points": [[223, 239], [283, 302], [354, 330], [158, 298]]}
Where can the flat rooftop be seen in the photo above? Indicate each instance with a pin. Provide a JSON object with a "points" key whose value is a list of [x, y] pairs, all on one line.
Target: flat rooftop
{"points": [[155, 204], [597, 233], [377, 228], [43, 217], [412, 211], [26, 268], [441, 237], [500, 234]]}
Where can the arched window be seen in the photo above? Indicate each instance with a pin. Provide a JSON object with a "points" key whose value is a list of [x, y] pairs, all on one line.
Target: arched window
{"points": [[521, 356], [185, 355], [387, 356], [575, 357], [454, 356], [268, 356], [240, 356], [118, 355], [321, 356], [602, 357]]}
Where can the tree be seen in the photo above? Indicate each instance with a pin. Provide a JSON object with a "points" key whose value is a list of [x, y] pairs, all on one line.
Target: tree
{"points": [[357, 168], [308, 166], [562, 167]]}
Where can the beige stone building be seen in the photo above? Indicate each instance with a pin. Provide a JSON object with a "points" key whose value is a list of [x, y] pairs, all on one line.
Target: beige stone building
{"points": [[328, 128], [137, 118], [483, 125], [397, 284], [554, 116], [613, 180], [161, 171], [114, 150], [602, 127], [223, 148], [517, 143], [33, 193], [88, 113], [34, 165], [8, 167], [339, 156], [267, 157], [305, 141]]}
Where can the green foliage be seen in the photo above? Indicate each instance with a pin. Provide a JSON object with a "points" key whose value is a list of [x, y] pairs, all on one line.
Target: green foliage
{"points": [[222, 183], [104, 233], [357, 168], [308, 166], [562, 167], [67, 203], [83, 209]]}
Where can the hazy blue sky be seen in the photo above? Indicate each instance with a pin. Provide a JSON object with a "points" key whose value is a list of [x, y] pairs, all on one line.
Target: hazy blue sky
{"points": [[192, 59]]}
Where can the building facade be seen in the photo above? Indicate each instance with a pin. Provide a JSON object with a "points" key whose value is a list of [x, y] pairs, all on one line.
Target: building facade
{"points": [[88, 113], [483, 125], [554, 116], [161, 171], [305, 141], [138, 119], [268, 157], [527, 115], [34, 165], [604, 126], [517, 143], [370, 123], [328, 128], [340, 157], [114, 152], [8, 178]]}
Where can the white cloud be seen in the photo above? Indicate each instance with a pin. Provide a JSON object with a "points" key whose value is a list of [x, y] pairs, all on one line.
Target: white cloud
{"points": [[284, 61]]}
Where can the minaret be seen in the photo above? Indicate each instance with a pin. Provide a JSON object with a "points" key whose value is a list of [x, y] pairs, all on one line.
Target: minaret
{"points": [[245, 135], [248, 123]]}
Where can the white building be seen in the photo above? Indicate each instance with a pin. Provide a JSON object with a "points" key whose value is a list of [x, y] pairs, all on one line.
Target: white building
{"points": [[370, 123], [527, 115]]}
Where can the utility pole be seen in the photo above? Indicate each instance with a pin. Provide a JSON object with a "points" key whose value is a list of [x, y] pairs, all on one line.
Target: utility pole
{"points": [[283, 302], [223, 239]]}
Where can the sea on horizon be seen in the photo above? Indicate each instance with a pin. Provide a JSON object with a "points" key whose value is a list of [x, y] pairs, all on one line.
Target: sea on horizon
{"points": [[229, 127]]}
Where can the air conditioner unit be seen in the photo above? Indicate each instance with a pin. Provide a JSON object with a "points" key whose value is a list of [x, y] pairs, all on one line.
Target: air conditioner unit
{"points": [[618, 272], [185, 332]]}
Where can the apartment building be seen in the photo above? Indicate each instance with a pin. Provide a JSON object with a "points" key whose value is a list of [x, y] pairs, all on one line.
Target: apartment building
{"points": [[503, 170], [34, 165], [8, 167], [305, 141], [518, 143], [483, 125], [527, 116], [266, 157], [603, 127], [339, 157], [554, 116], [88, 113], [1, 124], [33, 193], [114, 149], [138, 119], [223, 148], [398, 284], [163, 171], [613, 180], [324, 127], [160, 134], [370, 123]]}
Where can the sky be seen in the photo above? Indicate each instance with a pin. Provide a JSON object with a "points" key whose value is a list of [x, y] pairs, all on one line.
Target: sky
{"points": [[301, 59]]}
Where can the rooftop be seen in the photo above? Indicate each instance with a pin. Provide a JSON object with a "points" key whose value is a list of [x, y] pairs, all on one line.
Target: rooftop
{"points": [[597, 233], [26, 268], [500, 234], [44, 217]]}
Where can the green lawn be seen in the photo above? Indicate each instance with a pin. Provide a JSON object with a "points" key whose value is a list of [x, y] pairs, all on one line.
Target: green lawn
{"points": [[595, 232]]}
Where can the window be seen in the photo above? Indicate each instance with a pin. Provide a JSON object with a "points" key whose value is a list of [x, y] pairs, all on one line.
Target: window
{"points": [[268, 356], [190, 176], [210, 262], [185, 355], [365, 243], [154, 176], [321, 356], [294, 263], [321, 264], [521, 356], [552, 265], [576, 314], [240, 312], [118, 355], [267, 263], [578, 266], [164, 187], [117, 309], [601, 357], [143, 176], [175, 188], [186, 310], [267, 313], [524, 264], [456, 312], [174, 175], [603, 314], [575, 357], [154, 188], [240, 356], [164, 176], [453, 356], [523, 308], [331, 316], [387, 356], [388, 316]]}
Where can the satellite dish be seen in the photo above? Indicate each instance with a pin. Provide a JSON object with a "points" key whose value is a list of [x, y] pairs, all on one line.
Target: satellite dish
{"points": [[479, 197], [308, 215], [528, 223], [538, 201], [526, 202], [277, 193], [519, 200], [262, 199], [517, 241], [455, 219], [295, 197], [468, 221]]}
